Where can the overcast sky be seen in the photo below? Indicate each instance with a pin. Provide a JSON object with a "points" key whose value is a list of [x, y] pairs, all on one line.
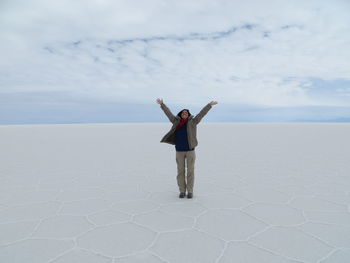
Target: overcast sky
{"points": [[104, 60]]}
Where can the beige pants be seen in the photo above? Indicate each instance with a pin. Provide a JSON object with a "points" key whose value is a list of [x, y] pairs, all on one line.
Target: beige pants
{"points": [[187, 158]]}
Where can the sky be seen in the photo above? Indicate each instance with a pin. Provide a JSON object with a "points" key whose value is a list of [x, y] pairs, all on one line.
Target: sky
{"points": [[108, 61]]}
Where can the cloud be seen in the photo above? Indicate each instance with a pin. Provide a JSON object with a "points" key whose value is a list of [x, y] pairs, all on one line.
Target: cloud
{"points": [[258, 53]]}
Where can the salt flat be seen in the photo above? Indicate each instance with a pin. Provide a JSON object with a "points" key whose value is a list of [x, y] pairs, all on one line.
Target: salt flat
{"points": [[107, 193]]}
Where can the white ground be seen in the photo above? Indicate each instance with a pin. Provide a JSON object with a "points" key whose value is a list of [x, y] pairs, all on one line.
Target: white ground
{"points": [[272, 193]]}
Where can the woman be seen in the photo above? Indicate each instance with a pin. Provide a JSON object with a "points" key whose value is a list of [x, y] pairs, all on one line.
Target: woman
{"points": [[183, 135]]}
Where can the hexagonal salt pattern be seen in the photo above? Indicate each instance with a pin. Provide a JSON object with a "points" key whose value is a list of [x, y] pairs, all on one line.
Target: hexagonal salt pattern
{"points": [[242, 252], [135, 207], [280, 198], [263, 194], [229, 224], [160, 221], [85, 207], [185, 209], [140, 258], [77, 195], [223, 201], [63, 226], [30, 196], [291, 243], [188, 246], [339, 198], [316, 204], [341, 255], [29, 212], [275, 214], [81, 255], [336, 236], [12, 232], [117, 240], [35, 250], [338, 218], [108, 217]]}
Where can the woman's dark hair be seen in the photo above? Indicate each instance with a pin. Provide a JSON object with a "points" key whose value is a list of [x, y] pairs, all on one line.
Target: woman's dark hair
{"points": [[179, 114]]}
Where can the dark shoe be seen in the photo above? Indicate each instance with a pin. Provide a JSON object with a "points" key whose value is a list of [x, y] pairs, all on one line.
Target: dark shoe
{"points": [[182, 195], [189, 195]]}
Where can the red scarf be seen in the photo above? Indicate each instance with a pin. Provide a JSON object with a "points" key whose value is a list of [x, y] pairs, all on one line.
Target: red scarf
{"points": [[182, 123]]}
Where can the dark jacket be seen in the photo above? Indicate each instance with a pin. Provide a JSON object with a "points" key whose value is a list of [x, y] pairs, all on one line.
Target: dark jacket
{"points": [[191, 126], [181, 144]]}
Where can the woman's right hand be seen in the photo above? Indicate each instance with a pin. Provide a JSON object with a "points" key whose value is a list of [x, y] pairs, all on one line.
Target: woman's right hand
{"points": [[160, 101]]}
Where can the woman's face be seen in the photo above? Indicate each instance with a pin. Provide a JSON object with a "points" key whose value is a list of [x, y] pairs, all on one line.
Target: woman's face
{"points": [[184, 114]]}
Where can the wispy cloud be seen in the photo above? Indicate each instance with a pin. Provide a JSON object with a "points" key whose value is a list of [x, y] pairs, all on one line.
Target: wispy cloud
{"points": [[258, 53]]}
